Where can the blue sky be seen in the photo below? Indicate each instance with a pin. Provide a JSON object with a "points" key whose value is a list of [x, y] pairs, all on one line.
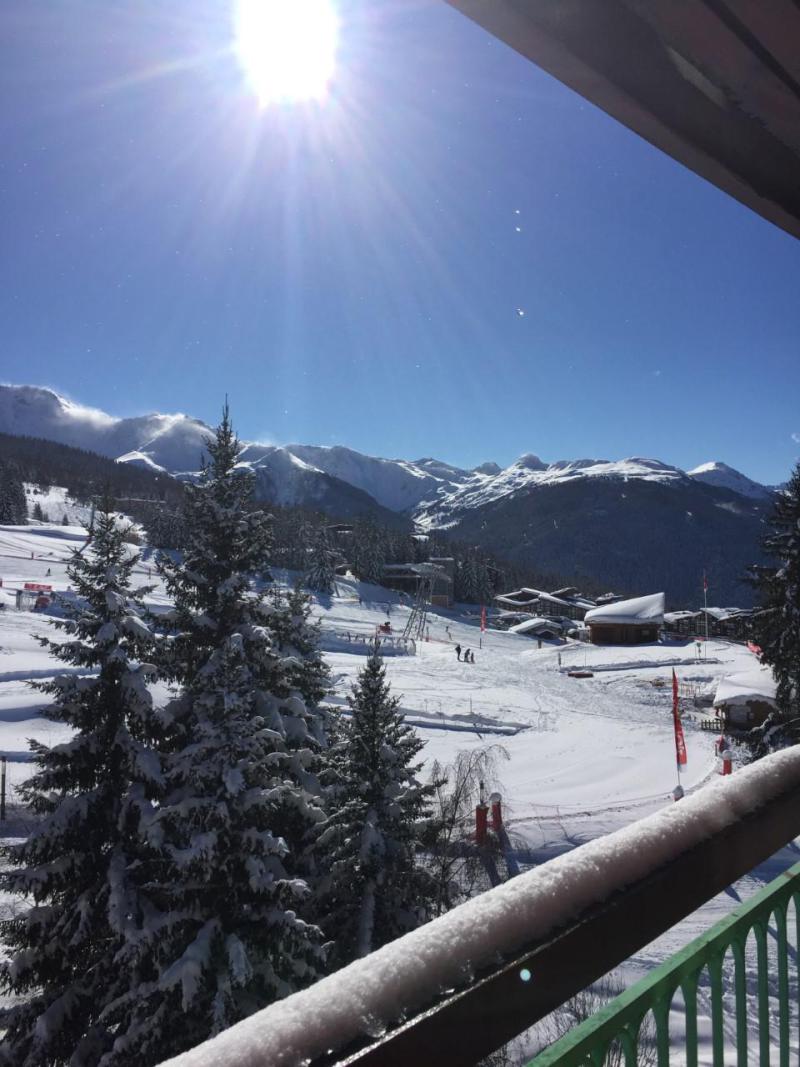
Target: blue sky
{"points": [[352, 272]]}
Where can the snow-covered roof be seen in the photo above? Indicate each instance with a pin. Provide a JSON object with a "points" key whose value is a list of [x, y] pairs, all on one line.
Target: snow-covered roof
{"points": [[640, 610], [743, 687], [676, 616], [533, 625], [562, 598], [720, 614]]}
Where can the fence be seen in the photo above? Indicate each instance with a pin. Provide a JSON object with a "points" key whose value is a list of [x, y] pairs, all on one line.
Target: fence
{"points": [[363, 644]]}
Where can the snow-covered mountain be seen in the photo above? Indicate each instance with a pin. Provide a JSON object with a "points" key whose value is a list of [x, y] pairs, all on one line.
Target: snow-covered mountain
{"points": [[170, 442], [631, 523], [433, 492], [529, 472], [398, 484], [725, 477]]}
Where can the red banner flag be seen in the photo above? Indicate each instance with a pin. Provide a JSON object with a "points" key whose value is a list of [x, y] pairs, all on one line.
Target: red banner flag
{"points": [[483, 618], [680, 743]]}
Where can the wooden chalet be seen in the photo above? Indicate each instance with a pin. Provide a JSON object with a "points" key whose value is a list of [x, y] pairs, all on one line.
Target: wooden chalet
{"points": [[627, 622]]}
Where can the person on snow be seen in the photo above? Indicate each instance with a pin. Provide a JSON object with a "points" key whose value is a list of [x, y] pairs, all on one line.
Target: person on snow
{"points": [[458, 653], [466, 656]]}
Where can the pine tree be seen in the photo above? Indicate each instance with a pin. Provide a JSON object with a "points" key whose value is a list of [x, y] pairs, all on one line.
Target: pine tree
{"points": [[38, 514], [369, 552], [296, 637], [73, 943], [776, 625], [321, 573], [375, 887], [13, 504], [232, 831]]}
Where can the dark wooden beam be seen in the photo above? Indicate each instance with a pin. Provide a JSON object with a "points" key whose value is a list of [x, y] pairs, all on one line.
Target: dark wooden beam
{"points": [[713, 83]]}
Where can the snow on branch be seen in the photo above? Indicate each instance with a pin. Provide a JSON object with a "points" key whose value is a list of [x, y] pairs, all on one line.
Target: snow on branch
{"points": [[371, 994]]}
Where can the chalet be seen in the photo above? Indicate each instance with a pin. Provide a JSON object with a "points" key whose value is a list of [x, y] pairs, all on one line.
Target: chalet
{"points": [[434, 578], [537, 627], [746, 698], [682, 623], [567, 602], [627, 622], [732, 623]]}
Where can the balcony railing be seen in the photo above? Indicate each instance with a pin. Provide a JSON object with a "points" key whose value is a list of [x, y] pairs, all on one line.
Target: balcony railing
{"points": [[615, 1032], [519, 952]]}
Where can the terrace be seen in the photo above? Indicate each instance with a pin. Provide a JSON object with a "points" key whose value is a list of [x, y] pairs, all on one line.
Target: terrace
{"points": [[717, 86]]}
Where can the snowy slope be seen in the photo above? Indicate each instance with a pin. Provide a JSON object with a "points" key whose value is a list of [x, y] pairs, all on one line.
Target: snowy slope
{"points": [[725, 477], [397, 484]]}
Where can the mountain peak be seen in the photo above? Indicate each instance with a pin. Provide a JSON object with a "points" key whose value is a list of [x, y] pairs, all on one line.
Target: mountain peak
{"points": [[531, 462], [720, 475], [487, 468]]}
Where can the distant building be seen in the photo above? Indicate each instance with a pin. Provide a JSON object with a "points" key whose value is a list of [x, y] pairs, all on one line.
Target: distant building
{"points": [[436, 575], [746, 698], [567, 602], [730, 623], [627, 622], [537, 627], [682, 623]]}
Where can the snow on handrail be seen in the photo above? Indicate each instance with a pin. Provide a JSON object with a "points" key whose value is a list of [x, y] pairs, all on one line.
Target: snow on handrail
{"points": [[371, 994]]}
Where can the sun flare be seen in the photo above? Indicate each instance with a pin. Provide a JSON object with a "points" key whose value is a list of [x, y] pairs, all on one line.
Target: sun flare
{"points": [[287, 48]]}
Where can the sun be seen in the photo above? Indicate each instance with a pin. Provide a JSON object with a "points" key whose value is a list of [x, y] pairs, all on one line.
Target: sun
{"points": [[287, 48]]}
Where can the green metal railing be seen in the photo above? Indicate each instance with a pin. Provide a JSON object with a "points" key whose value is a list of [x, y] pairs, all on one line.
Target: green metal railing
{"points": [[615, 1034]]}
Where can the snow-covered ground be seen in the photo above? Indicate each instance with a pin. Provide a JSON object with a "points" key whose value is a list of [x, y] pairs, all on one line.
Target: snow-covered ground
{"points": [[586, 756]]}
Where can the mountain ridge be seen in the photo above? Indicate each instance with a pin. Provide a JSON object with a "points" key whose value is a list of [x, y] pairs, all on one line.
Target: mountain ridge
{"points": [[620, 522]]}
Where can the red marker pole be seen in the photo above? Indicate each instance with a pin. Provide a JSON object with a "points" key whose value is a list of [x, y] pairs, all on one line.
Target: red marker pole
{"points": [[481, 824], [496, 802]]}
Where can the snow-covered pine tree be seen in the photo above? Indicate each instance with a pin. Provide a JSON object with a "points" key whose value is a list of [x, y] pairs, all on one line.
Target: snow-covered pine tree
{"points": [[71, 944], [375, 887], [320, 575], [239, 805], [776, 624], [294, 635]]}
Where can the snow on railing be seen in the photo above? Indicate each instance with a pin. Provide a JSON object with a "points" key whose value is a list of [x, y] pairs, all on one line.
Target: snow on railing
{"points": [[371, 994]]}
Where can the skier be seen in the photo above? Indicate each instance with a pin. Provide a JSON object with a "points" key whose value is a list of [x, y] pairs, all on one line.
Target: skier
{"points": [[48, 573], [458, 653], [472, 657], [466, 656]]}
